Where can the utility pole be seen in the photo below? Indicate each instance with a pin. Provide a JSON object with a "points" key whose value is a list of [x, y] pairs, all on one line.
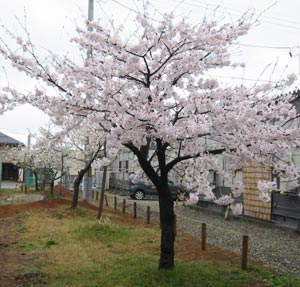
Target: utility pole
{"points": [[26, 174], [0, 168], [87, 179]]}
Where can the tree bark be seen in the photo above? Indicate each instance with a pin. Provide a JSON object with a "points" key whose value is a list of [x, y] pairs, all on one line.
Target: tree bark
{"points": [[77, 182], [36, 180], [167, 222], [80, 176], [52, 186], [166, 208]]}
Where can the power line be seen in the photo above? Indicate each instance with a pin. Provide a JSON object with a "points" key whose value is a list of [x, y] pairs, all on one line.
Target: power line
{"points": [[205, 6], [267, 47], [237, 12], [245, 79], [135, 11], [217, 4]]}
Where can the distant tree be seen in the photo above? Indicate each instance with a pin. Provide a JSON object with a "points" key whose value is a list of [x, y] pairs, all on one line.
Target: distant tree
{"points": [[43, 157], [87, 145], [152, 88]]}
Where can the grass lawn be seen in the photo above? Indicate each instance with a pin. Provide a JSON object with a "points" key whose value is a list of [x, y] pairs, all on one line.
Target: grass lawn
{"points": [[70, 248]]}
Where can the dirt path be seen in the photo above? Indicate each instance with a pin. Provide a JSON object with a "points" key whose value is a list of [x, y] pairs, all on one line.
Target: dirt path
{"points": [[11, 259]]}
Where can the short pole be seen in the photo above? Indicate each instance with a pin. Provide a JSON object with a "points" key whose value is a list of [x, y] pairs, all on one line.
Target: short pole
{"points": [[97, 195], [134, 210], [148, 214], [115, 203], [93, 194], [106, 201], [203, 236], [124, 205], [245, 252], [26, 189]]}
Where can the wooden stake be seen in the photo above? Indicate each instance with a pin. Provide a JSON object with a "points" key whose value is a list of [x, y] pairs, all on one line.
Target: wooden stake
{"points": [[203, 236], [245, 252], [106, 201], [134, 210], [124, 205], [115, 202], [148, 214]]}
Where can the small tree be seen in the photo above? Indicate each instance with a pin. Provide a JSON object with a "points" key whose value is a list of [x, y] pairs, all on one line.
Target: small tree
{"points": [[85, 146], [153, 89]]}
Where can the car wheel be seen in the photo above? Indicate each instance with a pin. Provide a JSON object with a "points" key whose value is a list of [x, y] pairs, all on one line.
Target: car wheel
{"points": [[181, 196], [139, 195]]}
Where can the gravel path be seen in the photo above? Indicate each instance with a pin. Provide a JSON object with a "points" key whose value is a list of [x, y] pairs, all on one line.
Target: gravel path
{"points": [[276, 247]]}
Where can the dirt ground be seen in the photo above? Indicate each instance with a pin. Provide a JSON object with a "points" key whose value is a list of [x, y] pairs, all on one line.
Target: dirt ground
{"points": [[12, 258]]}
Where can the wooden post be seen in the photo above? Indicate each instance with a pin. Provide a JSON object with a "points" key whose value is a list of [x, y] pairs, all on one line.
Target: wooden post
{"points": [[148, 214], [106, 201], [134, 210], [124, 205], [115, 202], [203, 236], [97, 195], [245, 252], [93, 194], [26, 189]]}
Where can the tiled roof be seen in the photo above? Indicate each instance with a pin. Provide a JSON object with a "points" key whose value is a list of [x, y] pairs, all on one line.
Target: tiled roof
{"points": [[4, 139]]}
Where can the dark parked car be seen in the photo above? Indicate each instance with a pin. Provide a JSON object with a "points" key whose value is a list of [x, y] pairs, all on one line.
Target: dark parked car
{"points": [[140, 189]]}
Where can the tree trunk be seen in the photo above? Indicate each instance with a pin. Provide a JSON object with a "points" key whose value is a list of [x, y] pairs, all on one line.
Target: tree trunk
{"points": [[76, 187], [167, 223], [36, 180], [52, 186]]}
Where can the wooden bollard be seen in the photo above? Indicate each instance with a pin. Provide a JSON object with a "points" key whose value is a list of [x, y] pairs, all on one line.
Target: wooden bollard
{"points": [[115, 202], [134, 210], [105, 198], [97, 195], [245, 252], [93, 194], [203, 236], [26, 189], [124, 205], [148, 214]]}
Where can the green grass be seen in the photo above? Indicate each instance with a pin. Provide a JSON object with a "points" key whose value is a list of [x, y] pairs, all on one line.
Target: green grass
{"points": [[273, 280], [71, 249]]}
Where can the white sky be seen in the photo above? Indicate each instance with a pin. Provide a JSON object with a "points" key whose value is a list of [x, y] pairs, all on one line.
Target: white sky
{"points": [[51, 23]]}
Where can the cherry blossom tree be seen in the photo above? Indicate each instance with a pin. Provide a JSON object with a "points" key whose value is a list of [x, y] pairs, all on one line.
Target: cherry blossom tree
{"points": [[43, 158], [87, 145], [153, 88], [81, 144]]}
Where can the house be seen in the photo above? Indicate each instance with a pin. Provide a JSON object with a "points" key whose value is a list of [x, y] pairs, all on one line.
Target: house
{"points": [[8, 170], [284, 207]]}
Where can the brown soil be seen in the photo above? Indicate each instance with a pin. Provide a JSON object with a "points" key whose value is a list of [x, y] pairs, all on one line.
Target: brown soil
{"points": [[187, 247]]}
